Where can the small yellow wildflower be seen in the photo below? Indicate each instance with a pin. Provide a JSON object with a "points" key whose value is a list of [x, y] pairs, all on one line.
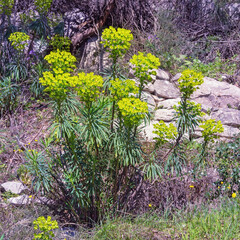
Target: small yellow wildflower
{"points": [[191, 186], [28, 143], [234, 195], [229, 187], [221, 182], [36, 140], [30, 196], [150, 205]]}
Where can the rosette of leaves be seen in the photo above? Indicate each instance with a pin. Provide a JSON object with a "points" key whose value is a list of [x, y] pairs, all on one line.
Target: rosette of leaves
{"points": [[6, 7], [61, 61], [143, 67], [133, 110], [116, 41], [122, 88], [188, 115], [60, 43], [19, 40]]}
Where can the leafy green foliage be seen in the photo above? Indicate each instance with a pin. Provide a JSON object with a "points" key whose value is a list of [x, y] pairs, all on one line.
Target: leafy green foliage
{"points": [[42, 6], [6, 6], [8, 95], [227, 158], [60, 43], [188, 116], [212, 69]]}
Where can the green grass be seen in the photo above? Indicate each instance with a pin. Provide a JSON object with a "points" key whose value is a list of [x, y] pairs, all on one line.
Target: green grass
{"points": [[210, 222]]}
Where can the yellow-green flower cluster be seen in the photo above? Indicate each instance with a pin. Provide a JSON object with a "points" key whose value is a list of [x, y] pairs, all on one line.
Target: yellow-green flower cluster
{"points": [[61, 61], [143, 64], [88, 86], [6, 7], [19, 40], [58, 85], [42, 6], [133, 110], [45, 226], [164, 132], [189, 82], [210, 129], [60, 43], [195, 110], [122, 88], [116, 41]]}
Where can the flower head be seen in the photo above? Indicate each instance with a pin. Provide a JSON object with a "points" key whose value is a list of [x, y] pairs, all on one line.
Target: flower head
{"points": [[116, 41], [234, 195]]}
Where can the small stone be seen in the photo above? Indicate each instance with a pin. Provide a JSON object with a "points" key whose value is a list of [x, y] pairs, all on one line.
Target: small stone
{"points": [[176, 77], [20, 200], [169, 103], [149, 88], [13, 187], [162, 75]]}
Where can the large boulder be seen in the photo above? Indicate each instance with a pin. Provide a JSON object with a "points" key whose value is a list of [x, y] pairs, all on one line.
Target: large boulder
{"points": [[217, 94], [165, 89], [229, 117]]}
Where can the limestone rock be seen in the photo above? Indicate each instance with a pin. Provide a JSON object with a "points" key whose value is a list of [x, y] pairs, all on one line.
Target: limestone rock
{"points": [[20, 200], [149, 88], [169, 103], [165, 89], [229, 117], [162, 75], [164, 114], [14, 187], [147, 97], [219, 94], [176, 77]]}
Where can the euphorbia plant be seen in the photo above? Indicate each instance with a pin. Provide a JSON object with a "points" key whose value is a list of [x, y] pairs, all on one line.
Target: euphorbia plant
{"points": [[116, 42], [210, 130], [144, 66]]}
